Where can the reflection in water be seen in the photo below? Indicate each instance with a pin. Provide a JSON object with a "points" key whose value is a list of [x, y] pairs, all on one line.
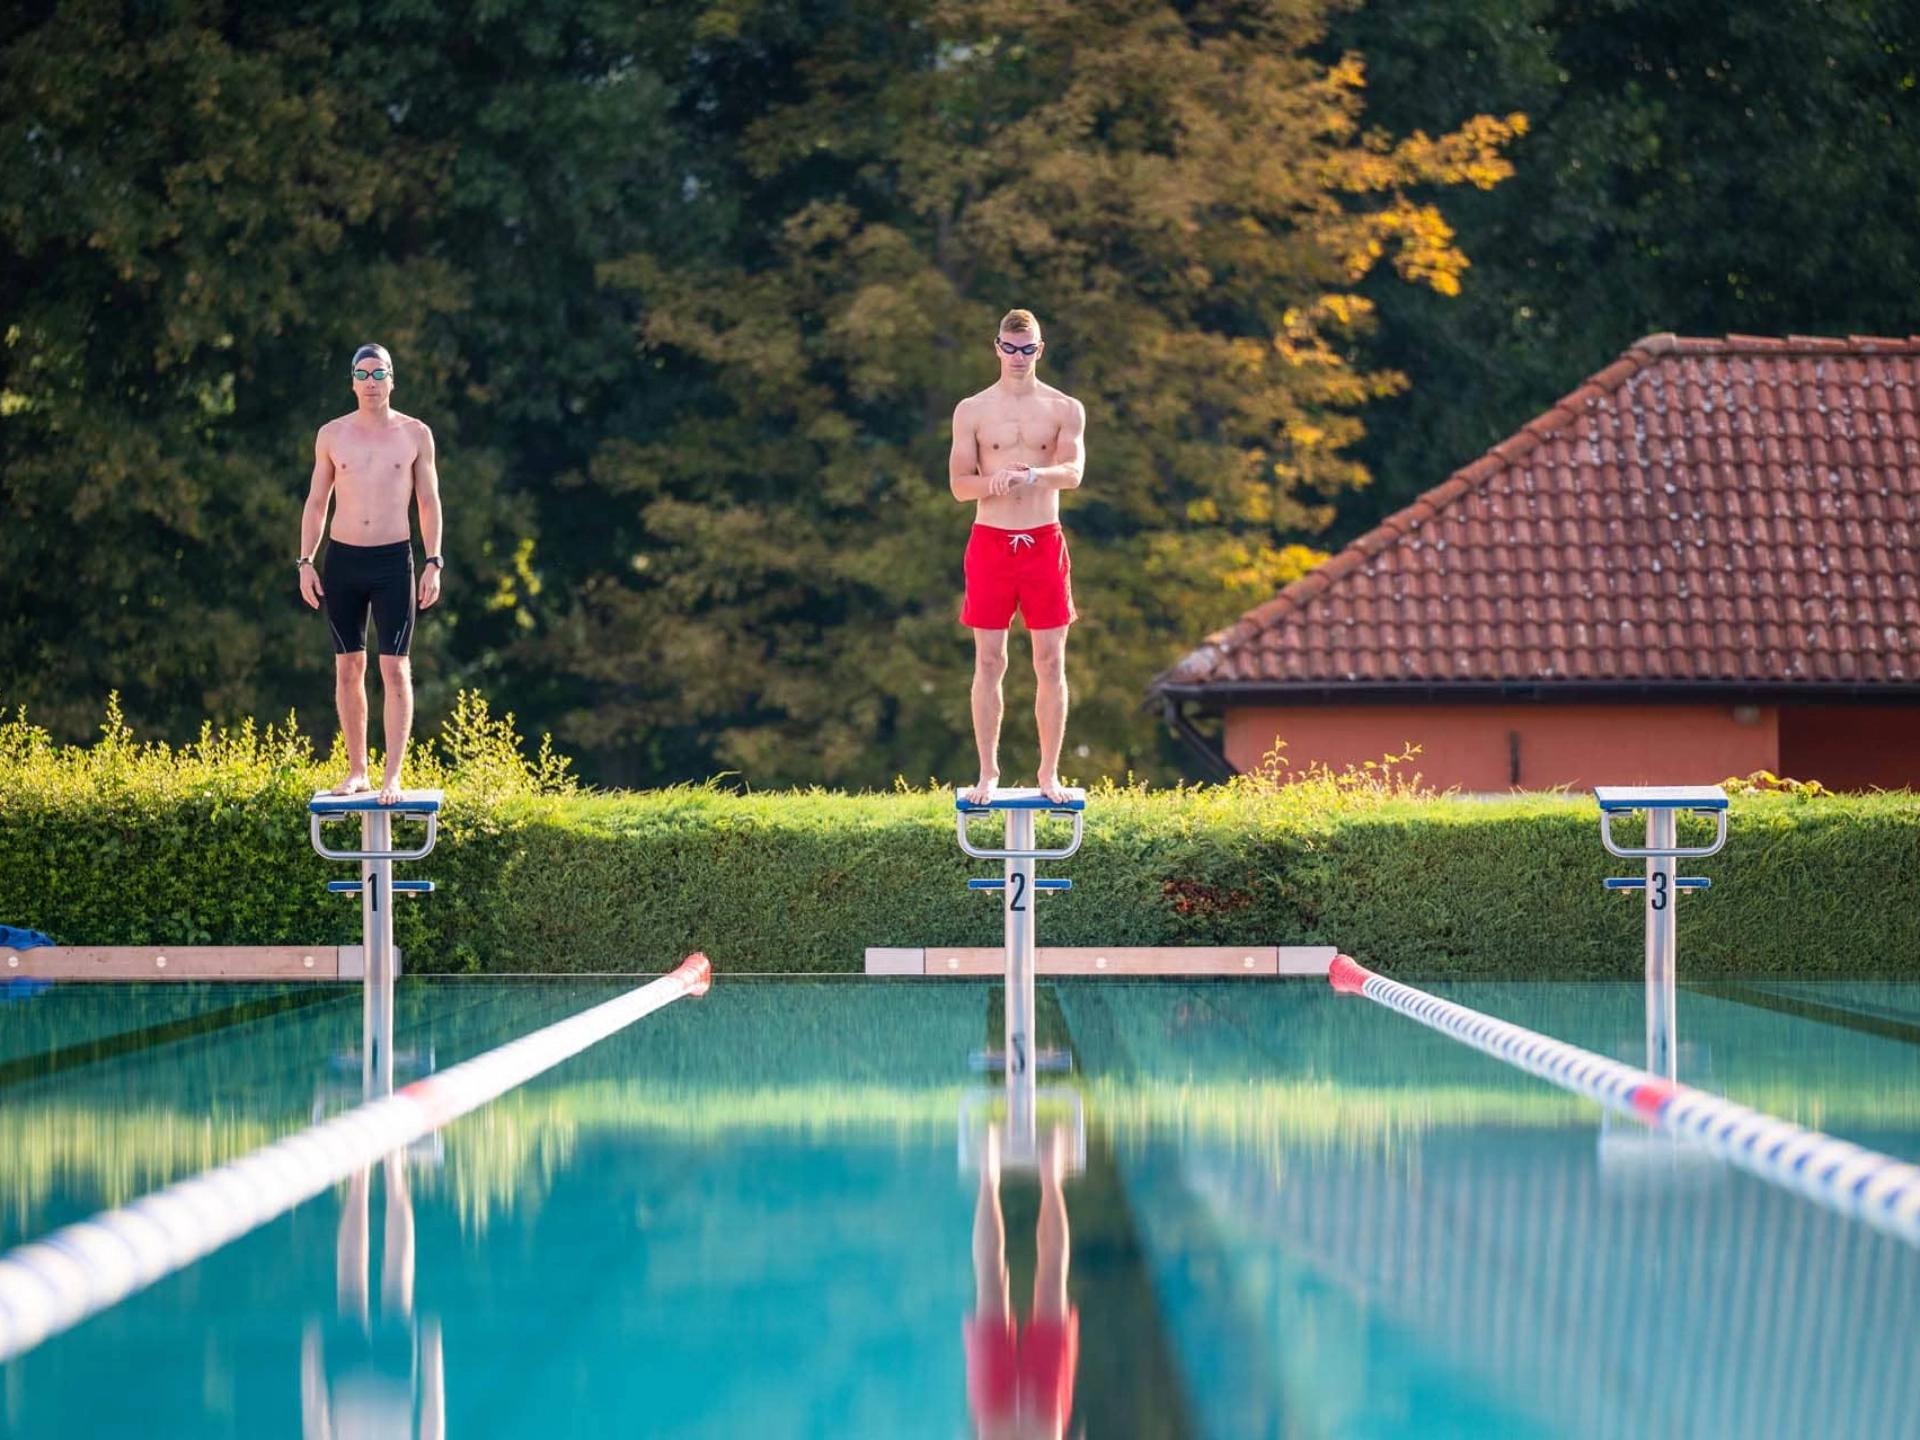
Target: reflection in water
{"points": [[742, 1221], [1020, 1379], [373, 1373], [1669, 1299]]}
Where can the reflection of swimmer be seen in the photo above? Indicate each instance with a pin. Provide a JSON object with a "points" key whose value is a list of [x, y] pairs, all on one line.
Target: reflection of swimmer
{"points": [[362, 1380], [1020, 1382]]}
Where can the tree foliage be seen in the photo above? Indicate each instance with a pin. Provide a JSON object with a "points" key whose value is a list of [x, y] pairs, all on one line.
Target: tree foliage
{"points": [[179, 199], [688, 294], [204, 207], [1706, 167], [1188, 201]]}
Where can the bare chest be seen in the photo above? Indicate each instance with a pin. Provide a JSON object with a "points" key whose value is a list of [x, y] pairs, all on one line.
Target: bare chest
{"points": [[374, 465], [1018, 434]]}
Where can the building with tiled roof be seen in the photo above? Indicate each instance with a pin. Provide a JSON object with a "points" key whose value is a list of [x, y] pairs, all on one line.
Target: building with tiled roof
{"points": [[1701, 563]]}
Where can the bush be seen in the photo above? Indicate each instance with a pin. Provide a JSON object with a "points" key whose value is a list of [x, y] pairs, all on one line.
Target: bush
{"points": [[128, 843]]}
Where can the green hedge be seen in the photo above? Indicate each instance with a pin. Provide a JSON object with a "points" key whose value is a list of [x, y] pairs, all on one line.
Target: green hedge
{"points": [[124, 843]]}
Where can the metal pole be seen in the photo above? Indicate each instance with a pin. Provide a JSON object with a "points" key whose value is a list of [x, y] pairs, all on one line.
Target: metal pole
{"points": [[376, 922], [1021, 1125], [1661, 950]]}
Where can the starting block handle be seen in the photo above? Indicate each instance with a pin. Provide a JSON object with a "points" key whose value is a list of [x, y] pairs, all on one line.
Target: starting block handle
{"points": [[1075, 805], [426, 847], [416, 804], [1677, 852], [1694, 799], [1680, 882], [1001, 884], [399, 887]]}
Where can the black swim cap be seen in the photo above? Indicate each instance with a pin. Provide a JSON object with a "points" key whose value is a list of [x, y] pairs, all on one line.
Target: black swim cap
{"points": [[378, 352]]}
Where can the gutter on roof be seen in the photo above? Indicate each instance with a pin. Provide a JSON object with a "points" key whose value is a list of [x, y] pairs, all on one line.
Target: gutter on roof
{"points": [[1212, 698], [1212, 759]]}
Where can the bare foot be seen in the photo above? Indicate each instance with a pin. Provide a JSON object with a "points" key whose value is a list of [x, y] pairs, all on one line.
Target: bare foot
{"points": [[1051, 787], [354, 784], [390, 790], [983, 792]]}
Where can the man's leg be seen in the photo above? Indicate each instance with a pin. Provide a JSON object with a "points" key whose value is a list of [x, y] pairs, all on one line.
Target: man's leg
{"points": [[990, 1300], [350, 698], [353, 1249], [1050, 705], [433, 1382], [989, 668], [396, 680], [396, 1258], [1050, 1237], [1050, 1359], [992, 1343]]}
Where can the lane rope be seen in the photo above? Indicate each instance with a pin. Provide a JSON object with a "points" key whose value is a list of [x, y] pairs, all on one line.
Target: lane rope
{"points": [[1862, 1184], [52, 1284]]}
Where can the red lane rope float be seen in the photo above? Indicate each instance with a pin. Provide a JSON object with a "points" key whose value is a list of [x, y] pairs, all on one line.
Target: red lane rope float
{"points": [[1867, 1186], [54, 1283]]}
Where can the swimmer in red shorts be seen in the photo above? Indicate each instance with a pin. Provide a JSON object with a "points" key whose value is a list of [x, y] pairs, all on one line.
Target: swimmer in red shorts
{"points": [[1016, 446], [1020, 1381]]}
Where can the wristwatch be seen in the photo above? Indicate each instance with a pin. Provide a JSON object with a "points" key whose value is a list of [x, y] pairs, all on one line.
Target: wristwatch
{"points": [[439, 560], [1029, 474], [303, 561]]}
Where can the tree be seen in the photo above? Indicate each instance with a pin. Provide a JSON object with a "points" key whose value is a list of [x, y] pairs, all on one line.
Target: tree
{"points": [[204, 207], [1187, 198], [187, 204], [1699, 166]]}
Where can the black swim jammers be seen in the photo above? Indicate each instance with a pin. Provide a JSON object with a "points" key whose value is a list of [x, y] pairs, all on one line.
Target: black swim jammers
{"points": [[359, 578]]}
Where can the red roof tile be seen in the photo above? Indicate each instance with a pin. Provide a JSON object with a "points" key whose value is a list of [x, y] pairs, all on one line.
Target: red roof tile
{"points": [[1740, 511]]}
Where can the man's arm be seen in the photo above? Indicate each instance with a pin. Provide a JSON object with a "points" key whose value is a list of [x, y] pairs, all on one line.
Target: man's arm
{"points": [[1070, 452], [963, 461], [313, 520], [426, 494]]}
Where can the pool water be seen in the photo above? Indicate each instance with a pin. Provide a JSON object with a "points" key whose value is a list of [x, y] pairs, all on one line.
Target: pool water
{"points": [[746, 1215]]}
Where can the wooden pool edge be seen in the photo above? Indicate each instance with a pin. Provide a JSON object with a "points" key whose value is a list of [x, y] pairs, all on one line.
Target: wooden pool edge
{"points": [[1249, 961], [121, 963]]}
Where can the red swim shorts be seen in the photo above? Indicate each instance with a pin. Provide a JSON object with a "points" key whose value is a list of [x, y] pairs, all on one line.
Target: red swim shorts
{"points": [[1028, 1372], [1024, 570]]}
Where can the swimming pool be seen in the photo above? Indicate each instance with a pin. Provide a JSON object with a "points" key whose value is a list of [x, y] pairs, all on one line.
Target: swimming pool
{"points": [[745, 1216]]}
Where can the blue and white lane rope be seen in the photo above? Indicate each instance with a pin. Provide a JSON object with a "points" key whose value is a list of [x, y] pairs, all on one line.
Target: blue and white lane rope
{"points": [[54, 1283], [1875, 1189]]}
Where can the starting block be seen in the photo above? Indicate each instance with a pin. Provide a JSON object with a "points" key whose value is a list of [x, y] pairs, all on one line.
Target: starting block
{"points": [[1631, 1157], [376, 888], [1017, 1059], [1662, 805]]}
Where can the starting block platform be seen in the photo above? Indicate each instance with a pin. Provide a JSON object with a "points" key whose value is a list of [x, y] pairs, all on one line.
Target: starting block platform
{"points": [[1019, 798]]}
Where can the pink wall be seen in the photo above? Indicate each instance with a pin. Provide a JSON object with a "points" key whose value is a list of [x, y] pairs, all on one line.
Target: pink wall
{"points": [[1468, 746]]}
